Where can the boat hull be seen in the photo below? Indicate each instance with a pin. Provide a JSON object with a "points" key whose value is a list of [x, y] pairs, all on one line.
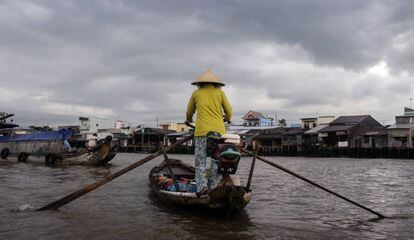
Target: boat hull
{"points": [[227, 196], [52, 153], [34, 148]]}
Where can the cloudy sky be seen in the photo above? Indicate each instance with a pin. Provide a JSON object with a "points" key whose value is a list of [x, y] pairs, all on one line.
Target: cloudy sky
{"points": [[135, 60]]}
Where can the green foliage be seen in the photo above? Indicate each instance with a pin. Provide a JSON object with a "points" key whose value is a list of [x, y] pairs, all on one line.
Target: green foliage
{"points": [[4, 115], [282, 122]]}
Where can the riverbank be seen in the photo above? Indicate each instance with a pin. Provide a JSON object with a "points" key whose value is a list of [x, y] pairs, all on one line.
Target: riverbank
{"points": [[313, 152]]}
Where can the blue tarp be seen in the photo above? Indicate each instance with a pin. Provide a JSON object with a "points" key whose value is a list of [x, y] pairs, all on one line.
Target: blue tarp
{"points": [[63, 134]]}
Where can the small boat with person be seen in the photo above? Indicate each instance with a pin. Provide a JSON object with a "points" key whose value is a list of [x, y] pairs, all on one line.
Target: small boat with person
{"points": [[172, 181]]}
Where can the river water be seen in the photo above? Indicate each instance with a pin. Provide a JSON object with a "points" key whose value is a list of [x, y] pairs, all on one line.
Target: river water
{"points": [[282, 207]]}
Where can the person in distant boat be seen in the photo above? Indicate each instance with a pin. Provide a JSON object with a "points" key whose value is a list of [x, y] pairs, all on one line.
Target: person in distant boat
{"points": [[92, 141], [209, 101], [67, 146]]}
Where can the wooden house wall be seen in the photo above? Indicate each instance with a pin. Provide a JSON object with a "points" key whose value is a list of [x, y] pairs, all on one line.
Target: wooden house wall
{"points": [[395, 137], [375, 141]]}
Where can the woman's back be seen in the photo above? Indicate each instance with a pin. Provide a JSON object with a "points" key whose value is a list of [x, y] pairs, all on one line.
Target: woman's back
{"points": [[209, 102]]}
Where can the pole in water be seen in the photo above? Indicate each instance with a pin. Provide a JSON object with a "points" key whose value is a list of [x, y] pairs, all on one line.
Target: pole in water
{"points": [[315, 184], [249, 181]]}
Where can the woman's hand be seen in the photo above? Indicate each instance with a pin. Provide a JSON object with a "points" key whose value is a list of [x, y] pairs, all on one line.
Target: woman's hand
{"points": [[188, 123]]}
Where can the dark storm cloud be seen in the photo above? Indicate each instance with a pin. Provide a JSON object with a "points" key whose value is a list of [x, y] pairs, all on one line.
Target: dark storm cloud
{"points": [[135, 59]]}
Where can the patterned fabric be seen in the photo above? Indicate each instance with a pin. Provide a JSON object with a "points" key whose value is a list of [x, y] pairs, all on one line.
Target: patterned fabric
{"points": [[200, 166]]}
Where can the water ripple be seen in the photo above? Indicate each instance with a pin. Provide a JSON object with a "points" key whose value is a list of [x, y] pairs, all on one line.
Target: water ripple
{"points": [[283, 207]]}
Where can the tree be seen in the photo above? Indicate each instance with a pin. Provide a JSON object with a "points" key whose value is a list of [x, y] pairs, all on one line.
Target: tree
{"points": [[4, 115], [282, 123]]}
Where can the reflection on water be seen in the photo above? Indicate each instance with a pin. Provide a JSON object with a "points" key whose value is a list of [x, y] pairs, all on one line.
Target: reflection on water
{"points": [[282, 206]]}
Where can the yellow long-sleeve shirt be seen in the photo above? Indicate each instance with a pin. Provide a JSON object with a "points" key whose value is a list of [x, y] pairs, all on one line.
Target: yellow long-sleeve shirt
{"points": [[209, 102]]}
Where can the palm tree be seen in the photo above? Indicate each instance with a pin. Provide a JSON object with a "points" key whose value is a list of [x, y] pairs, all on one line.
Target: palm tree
{"points": [[4, 115]]}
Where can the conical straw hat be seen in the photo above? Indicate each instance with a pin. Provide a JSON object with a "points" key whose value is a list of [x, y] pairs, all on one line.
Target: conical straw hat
{"points": [[208, 77]]}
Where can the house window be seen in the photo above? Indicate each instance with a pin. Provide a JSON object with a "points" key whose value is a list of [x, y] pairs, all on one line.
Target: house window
{"points": [[366, 139]]}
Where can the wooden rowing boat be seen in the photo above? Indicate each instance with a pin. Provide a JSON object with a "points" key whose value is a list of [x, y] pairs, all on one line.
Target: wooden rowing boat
{"points": [[53, 154], [98, 156], [229, 195]]}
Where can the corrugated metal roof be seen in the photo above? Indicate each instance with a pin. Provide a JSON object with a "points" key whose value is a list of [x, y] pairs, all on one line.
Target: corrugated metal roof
{"points": [[349, 119], [250, 127], [161, 131], [371, 131], [309, 118], [239, 132], [179, 134], [273, 131], [277, 133], [252, 131], [149, 130], [295, 125], [336, 128], [316, 129], [270, 133], [243, 132], [408, 111], [253, 115], [401, 126], [263, 137], [294, 131]]}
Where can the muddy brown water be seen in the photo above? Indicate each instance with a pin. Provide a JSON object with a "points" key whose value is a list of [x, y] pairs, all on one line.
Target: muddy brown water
{"points": [[282, 206]]}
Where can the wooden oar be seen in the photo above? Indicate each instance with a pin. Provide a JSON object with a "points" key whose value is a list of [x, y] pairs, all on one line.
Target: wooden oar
{"points": [[249, 180], [313, 183], [172, 175], [69, 198]]}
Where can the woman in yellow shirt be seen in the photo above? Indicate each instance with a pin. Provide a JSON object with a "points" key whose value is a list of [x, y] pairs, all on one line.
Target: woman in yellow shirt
{"points": [[209, 101]]}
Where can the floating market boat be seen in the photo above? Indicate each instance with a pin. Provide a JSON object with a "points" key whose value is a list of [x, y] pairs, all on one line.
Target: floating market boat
{"points": [[52, 148], [229, 195]]}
